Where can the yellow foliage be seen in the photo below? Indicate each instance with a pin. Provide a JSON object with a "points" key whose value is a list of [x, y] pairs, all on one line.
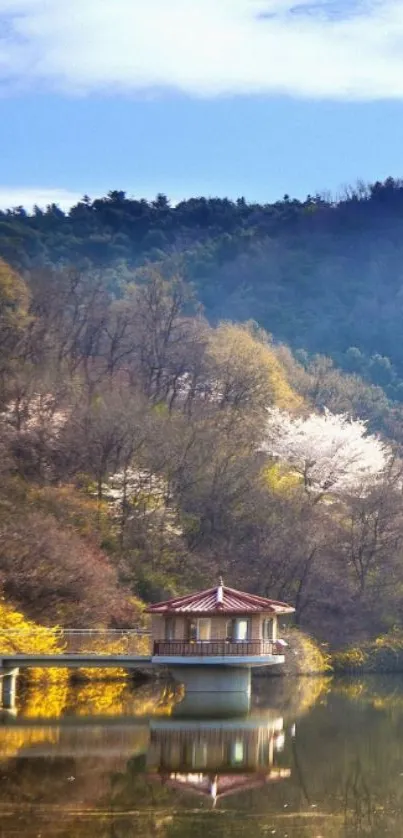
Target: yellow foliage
{"points": [[45, 700], [101, 698], [310, 690], [13, 740], [19, 634], [305, 657], [106, 698], [316, 660], [368, 693], [354, 690], [104, 646], [14, 299], [384, 654], [280, 480], [349, 659], [248, 365]]}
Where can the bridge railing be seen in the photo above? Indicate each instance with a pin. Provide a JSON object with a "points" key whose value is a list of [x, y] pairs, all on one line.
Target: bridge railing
{"points": [[135, 641]]}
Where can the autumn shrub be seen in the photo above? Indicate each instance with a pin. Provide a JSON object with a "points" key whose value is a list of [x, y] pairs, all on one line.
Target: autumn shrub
{"points": [[382, 655], [303, 656], [20, 634]]}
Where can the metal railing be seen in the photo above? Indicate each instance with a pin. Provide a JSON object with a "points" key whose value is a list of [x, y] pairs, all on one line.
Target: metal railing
{"points": [[215, 648], [76, 641]]}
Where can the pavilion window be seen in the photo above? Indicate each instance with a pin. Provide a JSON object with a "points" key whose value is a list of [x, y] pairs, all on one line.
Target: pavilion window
{"points": [[204, 629], [169, 628], [238, 629], [199, 629], [268, 629], [242, 629], [237, 752]]}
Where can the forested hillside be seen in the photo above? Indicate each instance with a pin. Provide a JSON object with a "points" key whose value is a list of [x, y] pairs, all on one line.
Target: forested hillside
{"points": [[145, 451], [324, 276], [173, 407]]}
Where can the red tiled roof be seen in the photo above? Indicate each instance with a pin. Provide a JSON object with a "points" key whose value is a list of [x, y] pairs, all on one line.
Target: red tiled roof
{"points": [[220, 600]]}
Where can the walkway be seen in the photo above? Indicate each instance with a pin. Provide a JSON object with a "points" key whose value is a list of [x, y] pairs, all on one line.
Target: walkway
{"points": [[70, 649]]}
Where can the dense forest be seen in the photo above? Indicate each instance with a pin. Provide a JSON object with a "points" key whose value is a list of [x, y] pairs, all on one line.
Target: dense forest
{"points": [[215, 387], [322, 275]]}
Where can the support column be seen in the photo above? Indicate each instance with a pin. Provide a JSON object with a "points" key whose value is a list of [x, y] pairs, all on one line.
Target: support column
{"points": [[213, 690], [206, 678]]}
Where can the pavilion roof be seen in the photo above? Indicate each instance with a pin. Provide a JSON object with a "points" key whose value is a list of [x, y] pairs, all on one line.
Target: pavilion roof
{"points": [[220, 600], [222, 785]]}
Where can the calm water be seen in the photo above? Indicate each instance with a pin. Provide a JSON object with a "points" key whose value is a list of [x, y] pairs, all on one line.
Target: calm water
{"points": [[312, 759]]}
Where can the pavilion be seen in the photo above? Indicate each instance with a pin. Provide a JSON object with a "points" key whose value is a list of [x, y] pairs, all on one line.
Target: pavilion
{"points": [[218, 627]]}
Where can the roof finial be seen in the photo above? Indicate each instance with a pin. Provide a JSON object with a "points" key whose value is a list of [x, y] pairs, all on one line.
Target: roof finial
{"points": [[220, 581]]}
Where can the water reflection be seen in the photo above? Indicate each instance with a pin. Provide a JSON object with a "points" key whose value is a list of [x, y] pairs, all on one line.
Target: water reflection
{"points": [[216, 760], [330, 770]]}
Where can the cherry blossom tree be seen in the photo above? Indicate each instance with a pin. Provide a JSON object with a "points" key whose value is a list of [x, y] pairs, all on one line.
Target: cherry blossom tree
{"points": [[332, 453]]}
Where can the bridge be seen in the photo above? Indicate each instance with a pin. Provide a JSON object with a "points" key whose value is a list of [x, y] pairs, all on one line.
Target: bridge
{"points": [[216, 665], [71, 649]]}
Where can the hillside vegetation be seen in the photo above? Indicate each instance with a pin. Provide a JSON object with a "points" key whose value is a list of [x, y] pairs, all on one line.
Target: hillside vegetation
{"points": [[148, 446], [322, 275]]}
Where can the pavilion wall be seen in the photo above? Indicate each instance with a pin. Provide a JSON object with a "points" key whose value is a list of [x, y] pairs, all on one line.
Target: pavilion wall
{"points": [[219, 625]]}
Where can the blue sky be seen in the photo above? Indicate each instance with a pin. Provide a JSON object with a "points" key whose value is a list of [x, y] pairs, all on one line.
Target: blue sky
{"points": [[190, 97]]}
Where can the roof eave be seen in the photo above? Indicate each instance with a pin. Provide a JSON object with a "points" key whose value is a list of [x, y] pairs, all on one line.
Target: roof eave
{"points": [[219, 612]]}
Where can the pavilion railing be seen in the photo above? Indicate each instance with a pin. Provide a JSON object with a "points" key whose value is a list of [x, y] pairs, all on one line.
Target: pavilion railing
{"points": [[215, 648]]}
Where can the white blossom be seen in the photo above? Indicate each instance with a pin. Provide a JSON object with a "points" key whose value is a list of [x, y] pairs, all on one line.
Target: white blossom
{"points": [[146, 492], [35, 413], [332, 453]]}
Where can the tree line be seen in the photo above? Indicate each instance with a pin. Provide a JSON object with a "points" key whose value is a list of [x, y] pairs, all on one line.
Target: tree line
{"points": [[321, 274]]}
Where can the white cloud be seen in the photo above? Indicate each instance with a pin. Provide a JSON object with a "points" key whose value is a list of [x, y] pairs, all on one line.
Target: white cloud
{"points": [[29, 196], [348, 49]]}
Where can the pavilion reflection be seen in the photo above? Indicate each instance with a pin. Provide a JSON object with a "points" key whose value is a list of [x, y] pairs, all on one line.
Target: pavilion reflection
{"points": [[215, 759]]}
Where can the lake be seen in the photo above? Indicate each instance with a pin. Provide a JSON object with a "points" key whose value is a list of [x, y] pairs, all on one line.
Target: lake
{"points": [[313, 758]]}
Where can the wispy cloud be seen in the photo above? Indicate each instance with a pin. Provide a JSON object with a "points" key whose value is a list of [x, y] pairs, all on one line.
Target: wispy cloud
{"points": [[344, 49], [29, 196]]}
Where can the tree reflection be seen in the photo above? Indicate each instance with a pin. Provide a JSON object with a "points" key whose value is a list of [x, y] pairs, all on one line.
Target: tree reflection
{"points": [[339, 776]]}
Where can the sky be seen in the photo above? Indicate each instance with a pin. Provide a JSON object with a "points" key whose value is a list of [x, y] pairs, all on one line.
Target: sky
{"points": [[253, 98]]}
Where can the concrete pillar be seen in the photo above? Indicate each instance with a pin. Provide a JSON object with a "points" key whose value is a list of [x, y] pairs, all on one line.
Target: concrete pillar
{"points": [[8, 688], [219, 705], [216, 679], [213, 691]]}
